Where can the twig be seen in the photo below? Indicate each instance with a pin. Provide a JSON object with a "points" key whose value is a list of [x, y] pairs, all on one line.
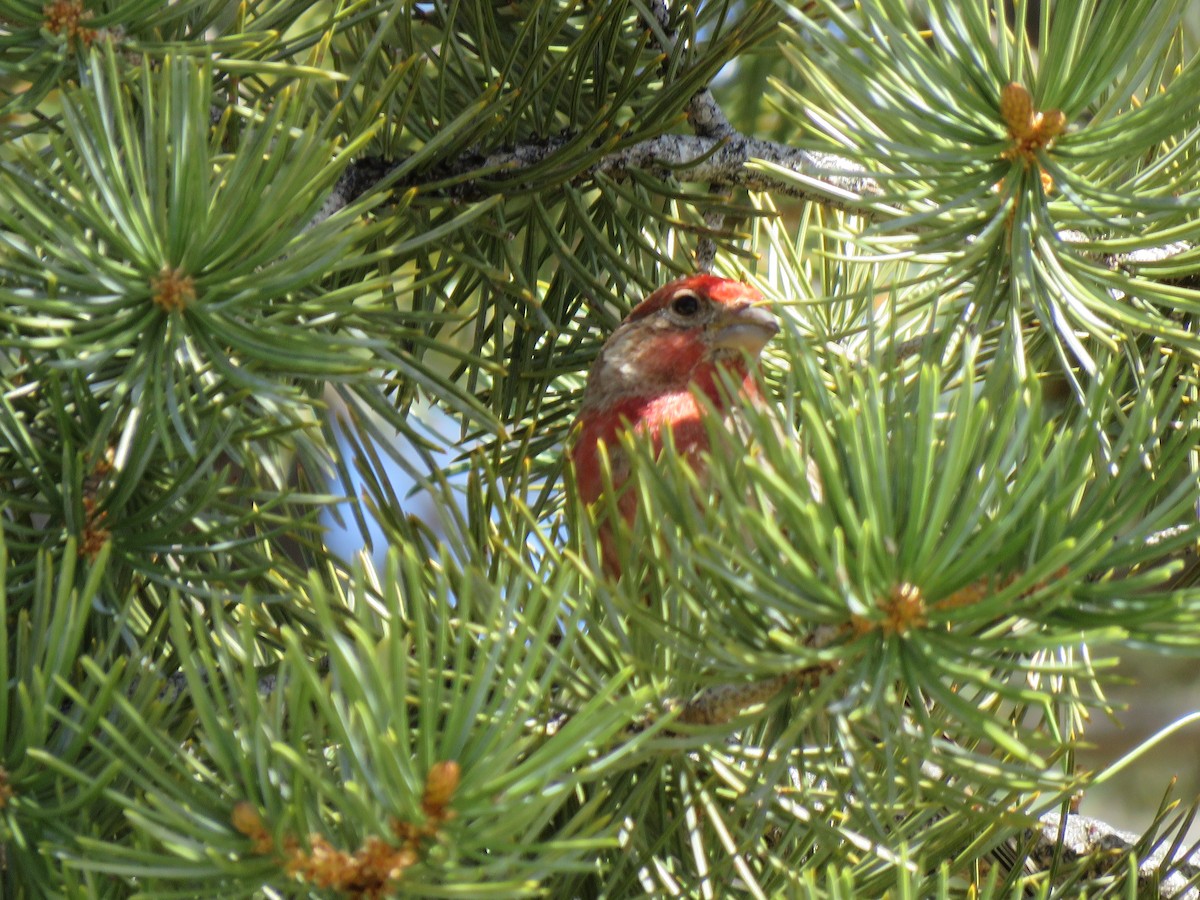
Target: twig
{"points": [[175, 685], [723, 702], [706, 247], [707, 120], [1133, 258], [706, 116]]}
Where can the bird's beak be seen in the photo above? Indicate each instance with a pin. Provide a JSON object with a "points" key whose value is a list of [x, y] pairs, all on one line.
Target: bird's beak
{"points": [[743, 327]]}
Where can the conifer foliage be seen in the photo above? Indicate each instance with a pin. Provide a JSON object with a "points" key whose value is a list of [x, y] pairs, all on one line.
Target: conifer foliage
{"points": [[249, 252]]}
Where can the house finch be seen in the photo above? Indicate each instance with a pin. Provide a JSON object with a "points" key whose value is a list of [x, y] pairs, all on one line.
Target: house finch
{"points": [[672, 346]]}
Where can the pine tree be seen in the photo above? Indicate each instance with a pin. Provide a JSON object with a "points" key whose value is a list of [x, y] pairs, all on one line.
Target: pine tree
{"points": [[246, 248]]}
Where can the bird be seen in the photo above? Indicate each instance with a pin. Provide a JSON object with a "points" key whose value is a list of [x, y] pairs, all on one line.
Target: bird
{"points": [[679, 344]]}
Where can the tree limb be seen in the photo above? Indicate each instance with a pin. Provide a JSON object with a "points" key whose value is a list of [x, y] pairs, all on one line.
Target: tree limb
{"points": [[1160, 872], [719, 161]]}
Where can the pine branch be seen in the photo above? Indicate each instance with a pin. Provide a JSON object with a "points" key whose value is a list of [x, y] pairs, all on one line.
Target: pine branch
{"points": [[1160, 873], [716, 155], [719, 161], [1141, 256]]}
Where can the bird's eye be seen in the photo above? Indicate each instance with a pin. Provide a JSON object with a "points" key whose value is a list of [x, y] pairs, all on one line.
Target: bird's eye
{"points": [[686, 305]]}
